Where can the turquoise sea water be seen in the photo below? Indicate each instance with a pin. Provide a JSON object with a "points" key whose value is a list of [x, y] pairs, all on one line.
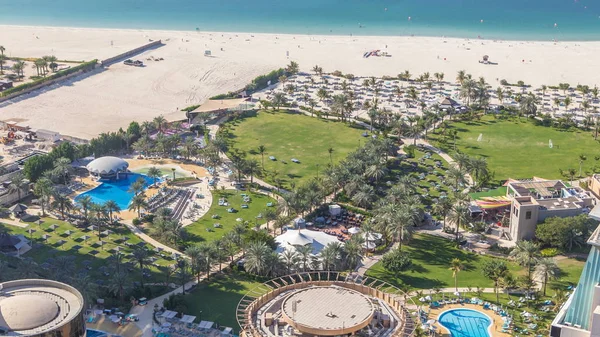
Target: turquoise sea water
{"points": [[465, 323], [502, 19]]}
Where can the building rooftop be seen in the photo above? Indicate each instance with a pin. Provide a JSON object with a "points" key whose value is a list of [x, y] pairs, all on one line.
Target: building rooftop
{"points": [[560, 203], [538, 189], [328, 308], [107, 165], [33, 307]]}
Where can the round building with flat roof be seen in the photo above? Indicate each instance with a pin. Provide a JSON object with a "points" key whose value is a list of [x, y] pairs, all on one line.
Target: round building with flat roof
{"points": [[325, 304], [40, 308]]}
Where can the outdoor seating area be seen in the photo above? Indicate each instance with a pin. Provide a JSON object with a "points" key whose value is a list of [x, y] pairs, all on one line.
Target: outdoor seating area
{"points": [[184, 326]]}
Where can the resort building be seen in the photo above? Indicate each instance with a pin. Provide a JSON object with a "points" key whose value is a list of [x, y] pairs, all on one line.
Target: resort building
{"points": [[534, 200], [108, 167], [325, 304], [580, 315], [15, 245], [40, 308]]}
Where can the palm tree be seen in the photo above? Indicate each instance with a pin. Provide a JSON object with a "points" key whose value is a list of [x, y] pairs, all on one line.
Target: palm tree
{"points": [[443, 207], [251, 168], [582, 158], [137, 186], [17, 183], [256, 258], [111, 207], [18, 68], [261, 150], [141, 256], [460, 77], [527, 254], [62, 202], [62, 168], [305, 253], [330, 151], [459, 217], [43, 189], [137, 203], [86, 204], [290, 260], [456, 266], [293, 68], [2, 62], [154, 173], [278, 100], [546, 269], [500, 94]]}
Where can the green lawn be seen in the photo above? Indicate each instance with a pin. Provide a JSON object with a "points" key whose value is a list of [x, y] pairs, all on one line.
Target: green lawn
{"points": [[497, 192], [165, 171], [204, 229], [431, 256], [288, 135], [217, 300], [519, 149], [43, 250]]}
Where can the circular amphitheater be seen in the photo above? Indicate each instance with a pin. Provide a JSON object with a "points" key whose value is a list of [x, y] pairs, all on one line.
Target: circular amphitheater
{"points": [[40, 308], [325, 304]]}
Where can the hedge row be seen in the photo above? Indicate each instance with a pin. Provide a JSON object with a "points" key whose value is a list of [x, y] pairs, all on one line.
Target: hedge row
{"points": [[84, 66]]}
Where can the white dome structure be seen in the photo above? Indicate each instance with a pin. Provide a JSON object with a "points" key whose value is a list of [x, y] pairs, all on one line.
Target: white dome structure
{"points": [[107, 166], [27, 312]]}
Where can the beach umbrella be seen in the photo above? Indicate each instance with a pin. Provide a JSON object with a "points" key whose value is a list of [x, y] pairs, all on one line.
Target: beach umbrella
{"points": [[30, 231], [354, 230], [61, 242], [53, 226], [39, 222], [46, 237], [101, 243], [68, 232], [85, 237], [106, 233], [92, 228]]}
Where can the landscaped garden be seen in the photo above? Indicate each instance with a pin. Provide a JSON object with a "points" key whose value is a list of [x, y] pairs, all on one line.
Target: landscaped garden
{"points": [[519, 148], [431, 260], [59, 247], [218, 220], [286, 136], [217, 300]]}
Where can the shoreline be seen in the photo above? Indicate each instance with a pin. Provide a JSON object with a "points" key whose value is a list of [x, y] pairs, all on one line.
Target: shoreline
{"points": [[361, 36], [178, 75]]}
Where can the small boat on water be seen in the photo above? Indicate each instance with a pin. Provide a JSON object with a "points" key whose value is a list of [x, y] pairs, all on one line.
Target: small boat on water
{"points": [[128, 62]]}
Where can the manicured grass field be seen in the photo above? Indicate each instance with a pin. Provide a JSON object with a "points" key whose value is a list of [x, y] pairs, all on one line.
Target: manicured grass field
{"points": [[81, 250], [288, 135], [204, 229], [431, 256], [217, 300], [520, 149]]}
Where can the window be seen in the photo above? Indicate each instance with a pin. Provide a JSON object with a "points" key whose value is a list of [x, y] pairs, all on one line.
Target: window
{"points": [[527, 215]]}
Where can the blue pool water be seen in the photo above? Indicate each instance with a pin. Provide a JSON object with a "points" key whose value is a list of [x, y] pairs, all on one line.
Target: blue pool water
{"points": [[115, 190], [506, 19], [94, 333], [466, 323]]}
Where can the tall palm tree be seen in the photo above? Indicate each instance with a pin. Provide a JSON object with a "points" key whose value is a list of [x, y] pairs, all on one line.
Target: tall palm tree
{"points": [[141, 256], [18, 68], [582, 158], [527, 254], [330, 151], [160, 123], [305, 253], [459, 217], [137, 187], [63, 168], [62, 202], [290, 260], [456, 266], [154, 173], [17, 183], [85, 203], [208, 256], [43, 189], [2, 62], [461, 76], [262, 150], [137, 203], [546, 269], [111, 207]]}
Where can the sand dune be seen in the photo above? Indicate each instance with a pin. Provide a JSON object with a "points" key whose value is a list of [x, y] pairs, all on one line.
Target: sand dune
{"points": [[112, 97]]}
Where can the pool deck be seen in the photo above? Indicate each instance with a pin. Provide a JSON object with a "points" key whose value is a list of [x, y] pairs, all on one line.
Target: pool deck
{"points": [[103, 324], [496, 324]]}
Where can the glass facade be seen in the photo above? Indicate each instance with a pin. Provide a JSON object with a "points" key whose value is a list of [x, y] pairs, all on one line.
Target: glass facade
{"points": [[580, 309]]}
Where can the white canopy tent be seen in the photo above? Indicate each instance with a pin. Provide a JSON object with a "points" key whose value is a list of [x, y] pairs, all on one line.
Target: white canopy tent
{"points": [[187, 319]]}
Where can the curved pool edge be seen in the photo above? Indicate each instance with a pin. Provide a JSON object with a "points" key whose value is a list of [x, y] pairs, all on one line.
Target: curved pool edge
{"points": [[489, 328]]}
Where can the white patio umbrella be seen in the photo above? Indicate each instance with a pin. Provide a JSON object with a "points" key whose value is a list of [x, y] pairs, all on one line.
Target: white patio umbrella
{"points": [[354, 230]]}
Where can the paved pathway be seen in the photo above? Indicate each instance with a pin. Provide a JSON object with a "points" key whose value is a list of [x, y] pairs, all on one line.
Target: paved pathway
{"points": [[15, 223], [149, 239]]}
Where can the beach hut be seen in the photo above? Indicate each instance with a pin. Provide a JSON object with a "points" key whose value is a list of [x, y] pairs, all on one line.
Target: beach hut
{"points": [[17, 210]]}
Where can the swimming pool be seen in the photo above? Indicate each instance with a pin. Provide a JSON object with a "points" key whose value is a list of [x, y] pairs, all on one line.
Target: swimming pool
{"points": [[116, 190], [95, 333], [466, 323]]}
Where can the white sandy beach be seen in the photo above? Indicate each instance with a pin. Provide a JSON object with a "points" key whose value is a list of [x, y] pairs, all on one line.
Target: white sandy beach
{"points": [[111, 98]]}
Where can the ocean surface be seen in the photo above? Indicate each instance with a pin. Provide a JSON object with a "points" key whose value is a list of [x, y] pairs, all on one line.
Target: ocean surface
{"points": [[490, 19]]}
